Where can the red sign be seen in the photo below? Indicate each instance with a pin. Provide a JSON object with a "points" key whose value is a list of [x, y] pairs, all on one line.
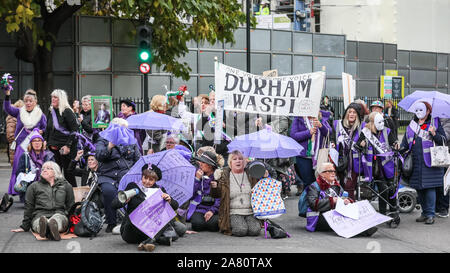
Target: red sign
{"points": [[145, 68]]}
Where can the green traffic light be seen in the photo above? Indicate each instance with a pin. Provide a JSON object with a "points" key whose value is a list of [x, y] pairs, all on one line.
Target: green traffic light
{"points": [[144, 56]]}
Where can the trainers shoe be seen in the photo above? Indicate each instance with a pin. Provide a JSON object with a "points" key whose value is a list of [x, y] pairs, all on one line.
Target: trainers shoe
{"points": [[53, 230], [442, 214], [116, 230], [146, 247], [43, 227]]}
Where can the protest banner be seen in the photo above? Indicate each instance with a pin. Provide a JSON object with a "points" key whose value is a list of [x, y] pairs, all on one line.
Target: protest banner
{"points": [[152, 214], [348, 89], [347, 227], [296, 95], [101, 111]]}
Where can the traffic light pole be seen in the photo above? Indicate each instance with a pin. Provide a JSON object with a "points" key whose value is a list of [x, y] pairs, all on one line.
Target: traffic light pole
{"points": [[248, 6], [146, 99]]}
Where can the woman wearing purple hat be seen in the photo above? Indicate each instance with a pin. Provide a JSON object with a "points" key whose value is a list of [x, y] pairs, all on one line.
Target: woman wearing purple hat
{"points": [[29, 117], [32, 161]]}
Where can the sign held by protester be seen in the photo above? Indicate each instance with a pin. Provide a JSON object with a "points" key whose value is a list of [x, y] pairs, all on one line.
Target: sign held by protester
{"points": [[296, 95], [152, 214], [101, 111], [347, 227], [348, 89]]}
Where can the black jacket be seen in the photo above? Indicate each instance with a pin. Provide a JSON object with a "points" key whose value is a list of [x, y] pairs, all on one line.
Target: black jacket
{"points": [[67, 121], [114, 163]]}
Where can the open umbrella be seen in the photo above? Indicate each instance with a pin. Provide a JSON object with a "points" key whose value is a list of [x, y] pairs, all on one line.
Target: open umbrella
{"points": [[177, 174], [440, 102], [155, 121], [118, 135], [266, 144]]}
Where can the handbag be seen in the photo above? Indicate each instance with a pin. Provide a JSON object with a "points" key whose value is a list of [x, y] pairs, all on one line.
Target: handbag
{"points": [[322, 156], [407, 166], [23, 180], [13, 145], [440, 157], [276, 232]]}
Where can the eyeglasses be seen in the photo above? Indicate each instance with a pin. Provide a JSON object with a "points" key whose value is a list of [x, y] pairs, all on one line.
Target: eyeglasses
{"points": [[329, 171], [47, 168]]}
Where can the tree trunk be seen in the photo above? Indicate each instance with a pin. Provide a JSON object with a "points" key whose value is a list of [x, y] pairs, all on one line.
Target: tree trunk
{"points": [[43, 74]]}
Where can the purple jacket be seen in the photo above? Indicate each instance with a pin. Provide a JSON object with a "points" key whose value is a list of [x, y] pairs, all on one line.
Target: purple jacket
{"points": [[199, 191], [300, 132], [41, 125]]}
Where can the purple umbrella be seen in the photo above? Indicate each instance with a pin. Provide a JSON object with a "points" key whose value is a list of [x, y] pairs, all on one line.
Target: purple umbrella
{"points": [[154, 121], [440, 102], [266, 144], [177, 174], [118, 135]]}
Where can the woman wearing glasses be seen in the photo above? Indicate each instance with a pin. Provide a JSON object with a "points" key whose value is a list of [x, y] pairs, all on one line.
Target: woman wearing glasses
{"points": [[322, 196]]}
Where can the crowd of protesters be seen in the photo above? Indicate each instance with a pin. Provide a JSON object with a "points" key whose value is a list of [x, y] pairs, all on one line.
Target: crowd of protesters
{"points": [[360, 138]]}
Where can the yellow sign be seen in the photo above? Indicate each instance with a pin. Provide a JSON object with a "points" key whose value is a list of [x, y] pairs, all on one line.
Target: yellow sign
{"points": [[392, 87], [392, 73]]}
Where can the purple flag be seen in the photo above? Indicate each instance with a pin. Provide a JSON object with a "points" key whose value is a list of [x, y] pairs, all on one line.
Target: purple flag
{"points": [[152, 214], [347, 227]]}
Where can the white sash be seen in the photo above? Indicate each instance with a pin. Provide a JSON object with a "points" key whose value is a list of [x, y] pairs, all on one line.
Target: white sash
{"points": [[343, 136], [425, 135], [381, 147]]}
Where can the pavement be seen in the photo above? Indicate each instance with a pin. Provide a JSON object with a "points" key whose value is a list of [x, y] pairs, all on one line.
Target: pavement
{"points": [[409, 237]]}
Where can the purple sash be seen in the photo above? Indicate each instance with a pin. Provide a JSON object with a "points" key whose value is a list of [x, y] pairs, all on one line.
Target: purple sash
{"points": [[62, 130]]}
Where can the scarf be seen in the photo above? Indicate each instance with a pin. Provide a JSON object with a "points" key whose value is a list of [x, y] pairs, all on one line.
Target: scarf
{"points": [[30, 119], [38, 160], [324, 185]]}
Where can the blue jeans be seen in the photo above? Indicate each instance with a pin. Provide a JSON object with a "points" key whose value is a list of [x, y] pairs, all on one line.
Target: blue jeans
{"points": [[305, 170], [442, 201], [427, 200]]}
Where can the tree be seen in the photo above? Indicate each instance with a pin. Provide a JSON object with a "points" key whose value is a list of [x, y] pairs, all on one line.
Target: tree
{"points": [[35, 25]]}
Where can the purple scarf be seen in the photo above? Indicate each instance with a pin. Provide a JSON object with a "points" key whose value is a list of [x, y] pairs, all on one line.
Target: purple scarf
{"points": [[38, 160]]}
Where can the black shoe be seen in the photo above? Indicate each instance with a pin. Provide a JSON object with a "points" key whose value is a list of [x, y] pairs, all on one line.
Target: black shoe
{"points": [[53, 230], [43, 227], [369, 232], [429, 221], [167, 241], [4, 202], [421, 219], [109, 228], [442, 214]]}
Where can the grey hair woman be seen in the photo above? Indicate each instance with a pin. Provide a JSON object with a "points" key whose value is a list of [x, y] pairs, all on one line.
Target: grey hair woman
{"points": [[46, 204]]}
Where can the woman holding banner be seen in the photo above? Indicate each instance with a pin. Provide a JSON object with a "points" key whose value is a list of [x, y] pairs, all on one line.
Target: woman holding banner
{"points": [[311, 133], [28, 117], [60, 133], [129, 232], [346, 133]]}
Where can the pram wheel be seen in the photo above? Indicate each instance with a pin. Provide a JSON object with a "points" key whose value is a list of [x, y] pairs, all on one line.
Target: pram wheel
{"points": [[395, 221], [406, 202]]}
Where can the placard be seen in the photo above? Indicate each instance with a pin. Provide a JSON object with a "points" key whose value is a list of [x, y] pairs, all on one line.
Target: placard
{"points": [[101, 111]]}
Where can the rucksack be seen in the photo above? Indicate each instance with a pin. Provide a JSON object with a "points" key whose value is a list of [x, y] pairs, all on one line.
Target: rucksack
{"points": [[87, 220], [303, 202]]}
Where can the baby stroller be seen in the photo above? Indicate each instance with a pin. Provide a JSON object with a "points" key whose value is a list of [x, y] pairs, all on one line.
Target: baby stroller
{"points": [[371, 190]]}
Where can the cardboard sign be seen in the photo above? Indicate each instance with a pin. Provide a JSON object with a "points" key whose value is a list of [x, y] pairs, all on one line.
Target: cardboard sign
{"points": [[101, 111]]}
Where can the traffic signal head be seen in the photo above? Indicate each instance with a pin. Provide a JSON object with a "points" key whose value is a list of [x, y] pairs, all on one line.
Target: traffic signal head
{"points": [[144, 41]]}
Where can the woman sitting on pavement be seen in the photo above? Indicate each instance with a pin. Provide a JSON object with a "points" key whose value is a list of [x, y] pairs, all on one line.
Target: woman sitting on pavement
{"points": [[324, 198], [129, 232], [32, 161], [234, 188], [47, 202], [203, 209]]}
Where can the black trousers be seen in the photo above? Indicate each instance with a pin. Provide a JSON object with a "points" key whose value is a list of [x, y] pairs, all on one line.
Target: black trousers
{"points": [[199, 224], [63, 161], [132, 235]]}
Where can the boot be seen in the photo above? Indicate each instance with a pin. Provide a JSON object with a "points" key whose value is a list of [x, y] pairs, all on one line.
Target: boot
{"points": [[299, 189]]}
